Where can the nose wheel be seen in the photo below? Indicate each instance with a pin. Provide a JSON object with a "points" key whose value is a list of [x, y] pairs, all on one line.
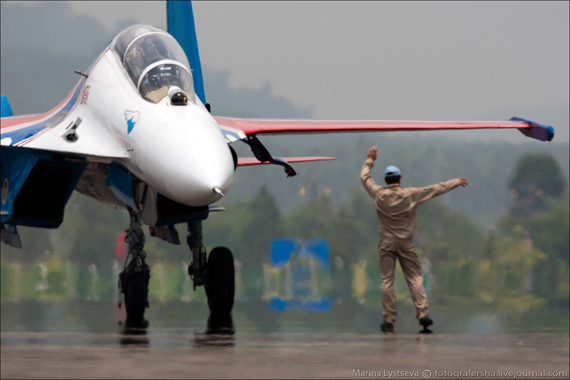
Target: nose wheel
{"points": [[217, 274], [220, 282]]}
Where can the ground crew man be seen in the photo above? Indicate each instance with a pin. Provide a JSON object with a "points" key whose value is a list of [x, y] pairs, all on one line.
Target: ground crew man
{"points": [[396, 212]]}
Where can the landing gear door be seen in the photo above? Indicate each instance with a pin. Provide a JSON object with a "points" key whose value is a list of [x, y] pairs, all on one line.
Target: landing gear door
{"points": [[149, 213], [160, 210]]}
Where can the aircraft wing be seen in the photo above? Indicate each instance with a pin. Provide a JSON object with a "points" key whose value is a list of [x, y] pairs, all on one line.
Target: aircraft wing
{"points": [[181, 25], [75, 137], [254, 161], [247, 130], [54, 131], [240, 129]]}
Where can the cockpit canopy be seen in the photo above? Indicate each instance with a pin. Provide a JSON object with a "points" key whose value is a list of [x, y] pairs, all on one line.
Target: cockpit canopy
{"points": [[155, 62]]}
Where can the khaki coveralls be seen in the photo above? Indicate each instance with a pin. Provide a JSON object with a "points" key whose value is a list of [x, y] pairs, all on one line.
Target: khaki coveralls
{"points": [[396, 212]]}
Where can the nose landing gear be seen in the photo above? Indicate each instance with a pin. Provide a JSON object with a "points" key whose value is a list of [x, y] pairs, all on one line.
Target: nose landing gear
{"points": [[217, 274]]}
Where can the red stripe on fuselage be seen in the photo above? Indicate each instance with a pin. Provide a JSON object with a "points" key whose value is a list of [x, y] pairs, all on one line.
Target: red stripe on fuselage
{"points": [[30, 139], [16, 122]]}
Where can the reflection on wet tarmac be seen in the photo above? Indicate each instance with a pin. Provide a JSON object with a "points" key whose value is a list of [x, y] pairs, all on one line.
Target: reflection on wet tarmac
{"points": [[81, 339], [183, 353], [219, 332], [134, 337], [220, 324]]}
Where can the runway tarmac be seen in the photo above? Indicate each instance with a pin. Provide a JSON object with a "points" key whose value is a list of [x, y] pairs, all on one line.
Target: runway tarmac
{"points": [[184, 353], [81, 339]]}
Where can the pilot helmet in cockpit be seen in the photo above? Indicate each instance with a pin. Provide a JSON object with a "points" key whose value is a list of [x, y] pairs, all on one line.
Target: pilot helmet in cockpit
{"points": [[153, 49]]}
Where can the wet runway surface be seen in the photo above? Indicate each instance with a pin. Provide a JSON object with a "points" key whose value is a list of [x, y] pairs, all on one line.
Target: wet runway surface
{"points": [[185, 353], [83, 340]]}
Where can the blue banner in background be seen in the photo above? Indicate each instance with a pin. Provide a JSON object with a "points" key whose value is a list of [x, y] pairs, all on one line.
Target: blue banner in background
{"points": [[281, 251], [293, 274]]}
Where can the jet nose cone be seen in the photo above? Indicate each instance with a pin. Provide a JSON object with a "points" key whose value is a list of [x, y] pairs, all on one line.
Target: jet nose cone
{"points": [[191, 161], [202, 190]]}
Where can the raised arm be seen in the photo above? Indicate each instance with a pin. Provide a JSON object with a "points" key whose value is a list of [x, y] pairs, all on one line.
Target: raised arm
{"points": [[365, 176]]}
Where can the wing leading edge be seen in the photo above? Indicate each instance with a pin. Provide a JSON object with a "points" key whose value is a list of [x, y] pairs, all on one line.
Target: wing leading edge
{"points": [[254, 161], [237, 129]]}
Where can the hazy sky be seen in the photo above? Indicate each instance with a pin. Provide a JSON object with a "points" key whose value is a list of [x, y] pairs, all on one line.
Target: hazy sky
{"points": [[379, 60]]}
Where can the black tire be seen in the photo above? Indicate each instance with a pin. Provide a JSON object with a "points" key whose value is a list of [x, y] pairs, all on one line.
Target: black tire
{"points": [[136, 299], [220, 281]]}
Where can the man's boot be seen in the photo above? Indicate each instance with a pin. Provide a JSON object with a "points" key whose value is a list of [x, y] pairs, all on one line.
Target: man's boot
{"points": [[386, 327], [425, 322]]}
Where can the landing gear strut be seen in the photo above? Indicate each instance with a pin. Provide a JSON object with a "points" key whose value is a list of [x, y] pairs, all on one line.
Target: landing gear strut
{"points": [[196, 269], [133, 280]]}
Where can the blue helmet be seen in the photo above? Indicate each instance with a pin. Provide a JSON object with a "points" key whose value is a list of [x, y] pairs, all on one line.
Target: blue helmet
{"points": [[392, 171]]}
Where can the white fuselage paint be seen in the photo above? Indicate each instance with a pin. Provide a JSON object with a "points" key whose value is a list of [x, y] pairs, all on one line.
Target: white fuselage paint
{"points": [[179, 151]]}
